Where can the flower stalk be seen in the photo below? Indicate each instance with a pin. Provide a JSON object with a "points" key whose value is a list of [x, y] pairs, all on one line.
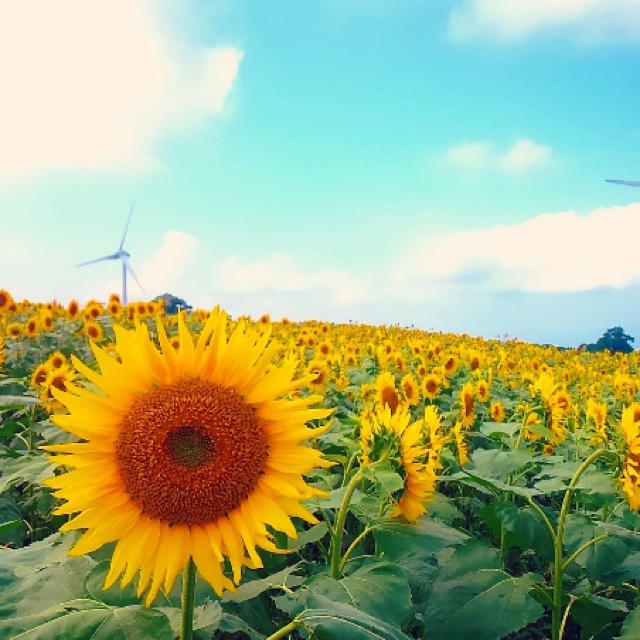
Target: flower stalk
{"points": [[187, 601]]}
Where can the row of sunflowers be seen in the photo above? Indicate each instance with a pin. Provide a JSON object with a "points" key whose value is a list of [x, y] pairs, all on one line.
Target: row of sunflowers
{"points": [[309, 479]]}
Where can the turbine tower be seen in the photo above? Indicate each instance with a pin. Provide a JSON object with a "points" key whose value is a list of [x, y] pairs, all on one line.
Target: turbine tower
{"points": [[123, 256]]}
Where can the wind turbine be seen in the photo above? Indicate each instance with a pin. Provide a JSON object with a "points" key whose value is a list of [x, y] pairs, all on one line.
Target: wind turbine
{"points": [[629, 183], [123, 256]]}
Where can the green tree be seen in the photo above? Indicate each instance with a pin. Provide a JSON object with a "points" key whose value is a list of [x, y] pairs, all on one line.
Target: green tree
{"points": [[172, 303], [614, 339]]}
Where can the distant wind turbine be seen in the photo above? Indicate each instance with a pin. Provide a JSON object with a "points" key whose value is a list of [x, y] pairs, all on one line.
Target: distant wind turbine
{"points": [[123, 256], [629, 183]]}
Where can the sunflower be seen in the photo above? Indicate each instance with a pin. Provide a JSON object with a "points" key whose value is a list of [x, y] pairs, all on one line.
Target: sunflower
{"points": [[410, 390], [114, 307], [59, 379], [14, 330], [389, 436], [467, 409], [319, 374], [597, 412], [483, 392], [32, 328], [431, 386], [56, 360], [475, 360], [497, 411], [5, 300], [93, 331], [532, 420], [433, 432], [450, 365], [46, 321], [185, 454], [462, 449], [325, 349], [386, 390], [73, 309], [40, 374], [93, 310], [630, 427]]}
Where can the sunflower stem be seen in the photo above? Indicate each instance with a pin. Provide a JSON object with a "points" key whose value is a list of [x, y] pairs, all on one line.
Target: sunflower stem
{"points": [[338, 529], [560, 563], [286, 630], [188, 591]]}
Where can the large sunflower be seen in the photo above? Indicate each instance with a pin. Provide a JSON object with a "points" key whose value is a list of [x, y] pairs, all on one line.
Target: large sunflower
{"points": [[187, 453]]}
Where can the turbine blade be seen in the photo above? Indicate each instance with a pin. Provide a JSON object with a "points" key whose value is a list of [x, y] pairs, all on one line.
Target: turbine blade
{"points": [[111, 256], [126, 226], [629, 183], [128, 267]]}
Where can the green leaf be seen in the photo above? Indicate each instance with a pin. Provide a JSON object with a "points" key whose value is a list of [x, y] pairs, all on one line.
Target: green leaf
{"points": [[631, 626], [386, 480], [313, 534], [428, 536], [472, 556], [19, 401], [497, 464], [508, 428], [84, 618], [249, 590], [593, 613], [343, 622], [486, 604], [12, 527], [376, 587], [31, 468], [521, 527], [40, 576]]}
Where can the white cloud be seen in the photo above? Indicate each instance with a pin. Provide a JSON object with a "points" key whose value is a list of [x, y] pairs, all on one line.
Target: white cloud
{"points": [[510, 20], [555, 252], [470, 155], [90, 85], [522, 156], [279, 273]]}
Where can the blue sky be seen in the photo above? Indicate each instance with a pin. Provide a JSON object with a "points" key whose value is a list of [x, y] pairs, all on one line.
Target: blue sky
{"points": [[370, 160]]}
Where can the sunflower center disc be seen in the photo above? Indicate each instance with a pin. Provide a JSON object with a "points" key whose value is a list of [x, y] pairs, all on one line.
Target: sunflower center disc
{"points": [[189, 446], [190, 452]]}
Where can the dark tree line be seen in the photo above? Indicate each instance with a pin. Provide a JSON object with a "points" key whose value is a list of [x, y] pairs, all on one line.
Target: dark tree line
{"points": [[614, 339]]}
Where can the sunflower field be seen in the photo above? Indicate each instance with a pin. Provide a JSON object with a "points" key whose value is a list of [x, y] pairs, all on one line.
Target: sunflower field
{"points": [[202, 476]]}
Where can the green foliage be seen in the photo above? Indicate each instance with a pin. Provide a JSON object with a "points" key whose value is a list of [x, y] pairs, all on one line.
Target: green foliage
{"points": [[614, 340]]}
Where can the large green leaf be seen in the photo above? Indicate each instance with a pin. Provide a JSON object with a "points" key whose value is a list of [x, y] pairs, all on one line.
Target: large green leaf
{"points": [[508, 428], [487, 604], [374, 586], [84, 618], [498, 464], [469, 586], [428, 536], [12, 528], [32, 468], [7, 400], [343, 622], [40, 576], [521, 527], [593, 613], [631, 627]]}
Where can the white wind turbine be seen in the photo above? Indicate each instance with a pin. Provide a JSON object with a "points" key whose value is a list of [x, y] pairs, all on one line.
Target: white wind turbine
{"points": [[123, 256], [629, 183]]}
